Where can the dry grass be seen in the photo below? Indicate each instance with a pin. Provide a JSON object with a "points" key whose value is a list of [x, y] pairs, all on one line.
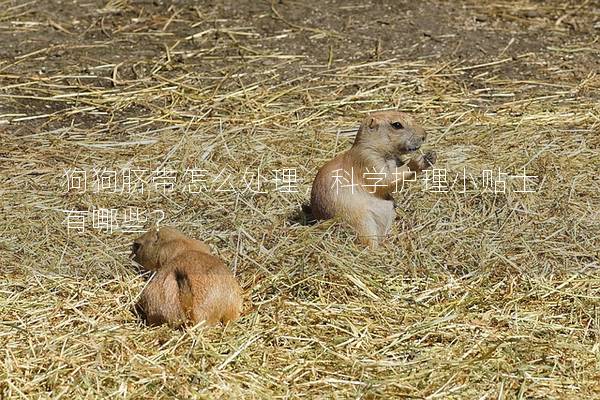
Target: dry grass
{"points": [[474, 295]]}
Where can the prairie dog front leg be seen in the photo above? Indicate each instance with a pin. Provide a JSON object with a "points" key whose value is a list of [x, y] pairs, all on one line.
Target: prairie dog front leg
{"points": [[422, 161]]}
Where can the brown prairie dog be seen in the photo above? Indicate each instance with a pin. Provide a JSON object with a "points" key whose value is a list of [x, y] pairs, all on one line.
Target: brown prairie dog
{"points": [[190, 283], [382, 139]]}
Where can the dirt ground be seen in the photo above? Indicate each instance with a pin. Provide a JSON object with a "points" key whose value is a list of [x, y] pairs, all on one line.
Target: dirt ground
{"points": [[546, 41], [481, 295]]}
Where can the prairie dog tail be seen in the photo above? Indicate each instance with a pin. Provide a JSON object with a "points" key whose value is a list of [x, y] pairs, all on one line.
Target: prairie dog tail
{"points": [[186, 298]]}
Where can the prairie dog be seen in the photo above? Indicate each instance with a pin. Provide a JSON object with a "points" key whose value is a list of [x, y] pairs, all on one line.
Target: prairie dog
{"points": [[190, 283], [367, 206]]}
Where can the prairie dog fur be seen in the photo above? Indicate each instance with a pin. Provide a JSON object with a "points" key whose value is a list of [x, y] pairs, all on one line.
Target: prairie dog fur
{"points": [[190, 283], [368, 208]]}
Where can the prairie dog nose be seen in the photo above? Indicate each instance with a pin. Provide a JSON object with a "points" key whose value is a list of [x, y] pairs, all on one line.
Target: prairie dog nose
{"points": [[420, 133]]}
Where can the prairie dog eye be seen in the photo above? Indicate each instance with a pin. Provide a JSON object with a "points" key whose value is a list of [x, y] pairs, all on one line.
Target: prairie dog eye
{"points": [[135, 247], [397, 125]]}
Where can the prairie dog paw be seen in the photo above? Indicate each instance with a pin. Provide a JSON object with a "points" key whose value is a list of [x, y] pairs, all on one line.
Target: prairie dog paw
{"points": [[423, 161]]}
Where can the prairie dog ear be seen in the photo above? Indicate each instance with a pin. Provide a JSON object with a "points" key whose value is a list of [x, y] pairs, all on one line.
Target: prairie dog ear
{"points": [[372, 122], [156, 235]]}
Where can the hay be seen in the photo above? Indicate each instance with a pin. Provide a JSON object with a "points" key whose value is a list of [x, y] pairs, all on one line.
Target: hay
{"points": [[475, 295]]}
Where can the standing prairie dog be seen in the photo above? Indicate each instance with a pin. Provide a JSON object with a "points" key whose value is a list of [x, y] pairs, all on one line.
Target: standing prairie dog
{"points": [[366, 205], [190, 283]]}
